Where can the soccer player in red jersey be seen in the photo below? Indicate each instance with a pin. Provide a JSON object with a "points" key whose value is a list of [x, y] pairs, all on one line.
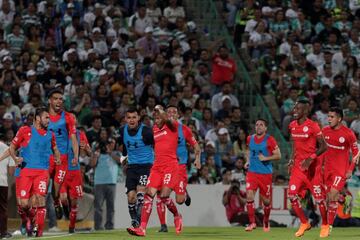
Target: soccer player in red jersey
{"points": [[337, 168], [185, 137], [62, 124], [308, 144], [36, 143], [72, 188], [163, 175], [262, 149]]}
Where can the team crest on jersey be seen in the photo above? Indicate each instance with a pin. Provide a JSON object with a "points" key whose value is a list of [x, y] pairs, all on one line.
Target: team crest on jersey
{"points": [[23, 193], [341, 139], [292, 187], [247, 185], [305, 129]]}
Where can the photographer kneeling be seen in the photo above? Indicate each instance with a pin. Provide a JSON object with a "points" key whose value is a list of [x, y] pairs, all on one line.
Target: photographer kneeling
{"points": [[234, 201]]}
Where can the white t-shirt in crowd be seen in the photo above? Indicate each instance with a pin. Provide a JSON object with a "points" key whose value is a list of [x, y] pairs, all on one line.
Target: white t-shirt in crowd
{"points": [[4, 164]]}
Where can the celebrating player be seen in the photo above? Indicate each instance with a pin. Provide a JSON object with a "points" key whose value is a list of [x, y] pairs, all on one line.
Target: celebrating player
{"points": [[185, 137], [36, 143], [163, 174], [304, 168], [340, 140], [138, 141], [262, 149], [62, 124], [72, 188]]}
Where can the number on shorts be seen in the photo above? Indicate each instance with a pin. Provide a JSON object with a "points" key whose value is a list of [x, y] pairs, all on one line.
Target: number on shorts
{"points": [[79, 190], [337, 180], [143, 180], [61, 175], [167, 178], [268, 189], [42, 186]]}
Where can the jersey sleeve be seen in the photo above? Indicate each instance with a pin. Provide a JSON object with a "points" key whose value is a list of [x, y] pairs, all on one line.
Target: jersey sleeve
{"points": [[271, 144], [189, 136], [316, 130], [248, 140], [20, 138], [148, 136], [353, 144], [70, 123], [83, 137]]}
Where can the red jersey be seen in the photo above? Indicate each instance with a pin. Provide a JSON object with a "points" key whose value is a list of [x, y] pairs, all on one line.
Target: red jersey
{"points": [[83, 138], [340, 142], [271, 143], [304, 139], [189, 138], [223, 70], [166, 142], [23, 136]]}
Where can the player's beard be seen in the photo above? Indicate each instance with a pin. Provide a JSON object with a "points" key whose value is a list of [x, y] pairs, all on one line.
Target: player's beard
{"points": [[43, 126]]}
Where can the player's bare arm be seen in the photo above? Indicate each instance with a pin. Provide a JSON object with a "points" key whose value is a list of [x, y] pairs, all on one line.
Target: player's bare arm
{"points": [[94, 158], [355, 160], [321, 149], [5, 154], [291, 160], [197, 151], [276, 155], [164, 117], [56, 155], [247, 157], [75, 147], [12, 149]]}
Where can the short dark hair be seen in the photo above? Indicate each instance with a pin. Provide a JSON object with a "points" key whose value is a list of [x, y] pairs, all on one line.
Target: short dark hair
{"points": [[55, 90], [40, 110], [262, 119], [338, 111], [96, 117], [303, 101], [132, 110], [171, 106]]}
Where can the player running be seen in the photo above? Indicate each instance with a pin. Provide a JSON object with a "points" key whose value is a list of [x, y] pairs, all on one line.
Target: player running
{"points": [[185, 137], [36, 144], [137, 141], [340, 140], [71, 189], [164, 173], [62, 124], [305, 166], [262, 149]]}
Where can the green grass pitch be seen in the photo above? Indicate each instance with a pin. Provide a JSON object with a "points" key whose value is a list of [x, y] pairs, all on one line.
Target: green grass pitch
{"points": [[218, 233]]}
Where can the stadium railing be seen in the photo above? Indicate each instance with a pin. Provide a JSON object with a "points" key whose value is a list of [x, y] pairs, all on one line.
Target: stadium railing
{"points": [[252, 103]]}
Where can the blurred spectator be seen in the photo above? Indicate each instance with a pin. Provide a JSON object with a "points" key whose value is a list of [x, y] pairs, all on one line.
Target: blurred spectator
{"points": [[223, 67], [239, 146], [234, 201], [239, 173], [224, 150], [105, 161]]}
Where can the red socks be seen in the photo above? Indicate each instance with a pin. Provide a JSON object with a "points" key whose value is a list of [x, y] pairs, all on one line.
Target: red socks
{"points": [[323, 212], [22, 214], [333, 206], [170, 205], [146, 210], [267, 209], [298, 210], [250, 205], [161, 210], [72, 216], [40, 220]]}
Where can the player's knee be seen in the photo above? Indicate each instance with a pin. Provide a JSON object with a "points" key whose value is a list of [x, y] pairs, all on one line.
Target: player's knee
{"points": [[41, 201], [24, 203], [131, 197], [266, 202], [73, 202]]}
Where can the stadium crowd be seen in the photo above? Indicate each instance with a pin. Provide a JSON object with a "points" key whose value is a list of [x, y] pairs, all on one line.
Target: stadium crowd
{"points": [[109, 56]]}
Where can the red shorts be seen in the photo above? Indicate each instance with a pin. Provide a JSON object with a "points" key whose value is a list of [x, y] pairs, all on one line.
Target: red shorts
{"points": [[180, 187], [73, 184], [163, 176], [334, 180], [302, 180], [58, 172], [17, 187], [255, 181], [32, 181]]}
